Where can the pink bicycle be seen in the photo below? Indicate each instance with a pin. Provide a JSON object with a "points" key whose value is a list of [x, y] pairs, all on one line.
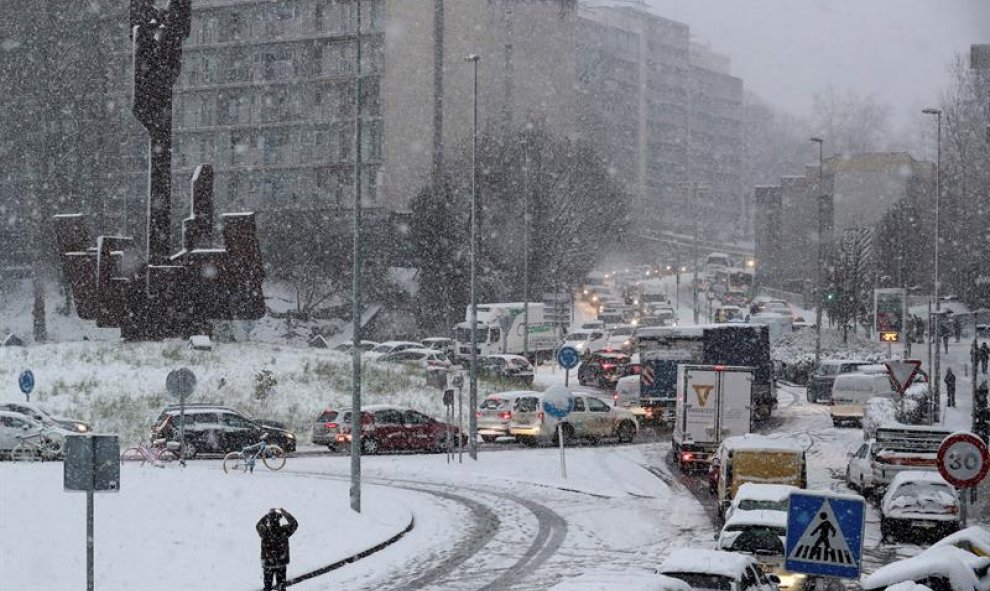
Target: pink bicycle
{"points": [[157, 454]]}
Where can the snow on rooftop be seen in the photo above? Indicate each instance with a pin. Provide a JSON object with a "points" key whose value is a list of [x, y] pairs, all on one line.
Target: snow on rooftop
{"points": [[764, 492], [763, 517]]}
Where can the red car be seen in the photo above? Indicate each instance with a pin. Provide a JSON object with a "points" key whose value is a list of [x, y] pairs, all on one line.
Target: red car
{"points": [[395, 428]]}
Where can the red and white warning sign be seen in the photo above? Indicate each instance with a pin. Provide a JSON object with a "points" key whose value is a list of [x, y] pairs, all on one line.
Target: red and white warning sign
{"points": [[647, 375], [903, 372]]}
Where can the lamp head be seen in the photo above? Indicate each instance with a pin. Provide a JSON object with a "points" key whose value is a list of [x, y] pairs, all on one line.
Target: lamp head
{"points": [[932, 111], [817, 140]]}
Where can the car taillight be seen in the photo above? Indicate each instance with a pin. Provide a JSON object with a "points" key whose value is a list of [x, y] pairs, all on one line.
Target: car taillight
{"points": [[615, 396], [953, 510], [330, 425], [505, 415], [687, 456], [477, 413], [607, 366], [539, 415]]}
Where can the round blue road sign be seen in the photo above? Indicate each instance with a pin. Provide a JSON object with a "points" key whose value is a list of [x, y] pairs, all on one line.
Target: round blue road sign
{"points": [[568, 357], [26, 381], [558, 401]]}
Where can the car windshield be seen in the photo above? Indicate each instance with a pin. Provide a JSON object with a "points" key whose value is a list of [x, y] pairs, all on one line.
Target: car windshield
{"points": [[382, 348], [526, 404], [493, 404], [624, 331], [576, 336], [703, 581], [760, 540], [923, 493], [327, 416], [762, 505]]}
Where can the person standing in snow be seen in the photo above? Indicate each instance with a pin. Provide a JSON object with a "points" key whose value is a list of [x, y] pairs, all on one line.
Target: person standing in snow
{"points": [[984, 355], [275, 546], [950, 388]]}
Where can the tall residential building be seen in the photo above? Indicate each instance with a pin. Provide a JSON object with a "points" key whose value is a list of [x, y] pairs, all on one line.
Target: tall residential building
{"points": [[667, 114]]}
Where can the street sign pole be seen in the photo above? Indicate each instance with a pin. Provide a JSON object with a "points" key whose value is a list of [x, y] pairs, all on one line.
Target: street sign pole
{"points": [[560, 439], [180, 383], [558, 402], [92, 463]]}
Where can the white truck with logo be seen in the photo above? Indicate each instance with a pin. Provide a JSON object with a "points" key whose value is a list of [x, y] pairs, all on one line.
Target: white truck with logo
{"points": [[714, 402], [501, 329]]}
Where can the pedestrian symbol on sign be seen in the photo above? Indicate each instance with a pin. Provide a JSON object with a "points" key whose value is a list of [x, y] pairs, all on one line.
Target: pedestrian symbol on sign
{"points": [[821, 542]]}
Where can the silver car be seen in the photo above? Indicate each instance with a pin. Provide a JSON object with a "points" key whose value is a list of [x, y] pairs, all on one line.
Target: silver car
{"points": [[495, 414], [326, 427]]}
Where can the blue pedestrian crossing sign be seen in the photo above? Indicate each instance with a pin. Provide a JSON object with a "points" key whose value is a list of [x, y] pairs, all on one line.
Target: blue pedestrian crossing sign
{"points": [[825, 534]]}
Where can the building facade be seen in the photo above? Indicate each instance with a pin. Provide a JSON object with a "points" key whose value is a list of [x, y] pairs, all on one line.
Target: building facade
{"points": [[860, 190]]}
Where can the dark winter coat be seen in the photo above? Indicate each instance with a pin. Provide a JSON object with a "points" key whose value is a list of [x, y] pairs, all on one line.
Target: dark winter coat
{"points": [[984, 353], [950, 380], [275, 538]]}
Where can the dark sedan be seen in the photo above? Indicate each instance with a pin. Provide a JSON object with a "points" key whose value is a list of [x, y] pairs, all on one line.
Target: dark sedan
{"points": [[603, 370]]}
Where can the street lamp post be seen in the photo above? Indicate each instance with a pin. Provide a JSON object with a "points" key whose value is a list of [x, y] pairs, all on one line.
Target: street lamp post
{"points": [[820, 198], [936, 328], [473, 392], [526, 255], [355, 492]]}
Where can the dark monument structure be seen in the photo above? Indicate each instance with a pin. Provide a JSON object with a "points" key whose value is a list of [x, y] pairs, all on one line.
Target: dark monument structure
{"points": [[166, 295]]}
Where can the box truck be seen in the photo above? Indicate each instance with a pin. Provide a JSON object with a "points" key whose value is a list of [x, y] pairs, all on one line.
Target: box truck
{"points": [[714, 402], [501, 329]]}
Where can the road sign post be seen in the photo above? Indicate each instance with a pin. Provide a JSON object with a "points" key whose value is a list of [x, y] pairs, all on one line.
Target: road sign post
{"points": [[568, 358], [558, 402], [825, 534], [91, 464], [25, 382], [963, 461], [180, 383]]}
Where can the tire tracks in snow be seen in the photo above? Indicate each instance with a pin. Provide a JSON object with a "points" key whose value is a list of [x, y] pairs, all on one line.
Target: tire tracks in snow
{"points": [[454, 568]]}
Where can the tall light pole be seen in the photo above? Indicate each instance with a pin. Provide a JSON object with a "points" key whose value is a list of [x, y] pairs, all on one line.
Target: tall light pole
{"points": [[820, 199], [356, 424], [526, 250], [936, 398], [473, 392]]}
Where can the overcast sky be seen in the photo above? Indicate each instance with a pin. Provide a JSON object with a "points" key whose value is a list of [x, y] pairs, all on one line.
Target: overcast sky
{"points": [[787, 50]]}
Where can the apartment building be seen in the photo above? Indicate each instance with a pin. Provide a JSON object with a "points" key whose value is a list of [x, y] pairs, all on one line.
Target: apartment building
{"points": [[666, 112]]}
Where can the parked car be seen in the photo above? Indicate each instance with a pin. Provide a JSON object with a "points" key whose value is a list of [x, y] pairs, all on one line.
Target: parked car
{"points": [[859, 470], [494, 414], [392, 347], [15, 424], [511, 368], [753, 496], [851, 391], [325, 428], [586, 341], [603, 370], [397, 428], [717, 570], [426, 358], [46, 418], [920, 502], [445, 345], [591, 418], [218, 429], [349, 346], [820, 386], [761, 534]]}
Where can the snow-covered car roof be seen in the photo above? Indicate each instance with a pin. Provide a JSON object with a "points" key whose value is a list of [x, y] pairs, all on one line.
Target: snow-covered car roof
{"points": [[763, 492], [917, 476], [754, 441], [947, 561], [23, 417], [418, 350], [760, 518], [507, 356], [511, 394], [627, 580], [397, 343], [712, 562]]}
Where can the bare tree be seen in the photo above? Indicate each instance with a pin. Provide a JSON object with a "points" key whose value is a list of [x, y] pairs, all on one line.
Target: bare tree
{"points": [[851, 123]]}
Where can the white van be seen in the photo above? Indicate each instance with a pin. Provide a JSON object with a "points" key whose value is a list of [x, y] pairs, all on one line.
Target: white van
{"points": [[851, 391]]}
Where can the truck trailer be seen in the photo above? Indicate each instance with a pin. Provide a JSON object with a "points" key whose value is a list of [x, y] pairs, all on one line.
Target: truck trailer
{"points": [[714, 402], [501, 329]]}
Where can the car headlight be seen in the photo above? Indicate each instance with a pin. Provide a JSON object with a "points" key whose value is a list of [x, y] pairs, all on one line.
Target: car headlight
{"points": [[81, 428], [290, 436]]}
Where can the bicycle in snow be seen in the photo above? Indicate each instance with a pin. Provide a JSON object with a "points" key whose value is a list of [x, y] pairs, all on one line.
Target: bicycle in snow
{"points": [[243, 461]]}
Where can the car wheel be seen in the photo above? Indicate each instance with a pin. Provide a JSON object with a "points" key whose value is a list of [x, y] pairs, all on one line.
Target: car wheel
{"points": [[332, 447], [488, 438], [626, 432], [527, 441], [369, 446]]}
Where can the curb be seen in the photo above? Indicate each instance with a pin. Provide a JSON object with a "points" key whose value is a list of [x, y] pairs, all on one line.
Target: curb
{"points": [[354, 558]]}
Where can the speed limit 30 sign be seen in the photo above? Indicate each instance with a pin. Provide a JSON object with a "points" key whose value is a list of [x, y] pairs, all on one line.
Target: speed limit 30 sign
{"points": [[963, 460]]}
